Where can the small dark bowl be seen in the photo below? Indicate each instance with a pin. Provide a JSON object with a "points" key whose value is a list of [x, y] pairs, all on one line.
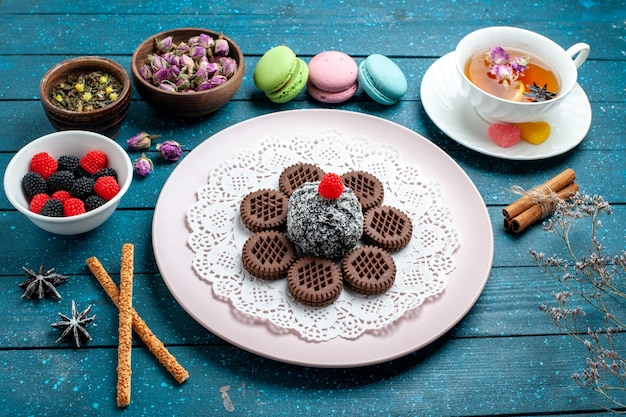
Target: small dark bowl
{"points": [[194, 103], [107, 120]]}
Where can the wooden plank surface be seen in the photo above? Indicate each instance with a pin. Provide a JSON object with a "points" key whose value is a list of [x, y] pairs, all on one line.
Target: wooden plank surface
{"points": [[503, 358]]}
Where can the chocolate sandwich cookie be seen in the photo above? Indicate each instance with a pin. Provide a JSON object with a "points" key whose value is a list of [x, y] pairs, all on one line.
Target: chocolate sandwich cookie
{"points": [[268, 254], [369, 270], [295, 175], [264, 209], [387, 227], [368, 189], [314, 281]]}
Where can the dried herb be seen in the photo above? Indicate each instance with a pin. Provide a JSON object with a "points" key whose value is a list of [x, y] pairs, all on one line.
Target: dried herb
{"points": [[84, 92], [596, 280], [537, 93]]}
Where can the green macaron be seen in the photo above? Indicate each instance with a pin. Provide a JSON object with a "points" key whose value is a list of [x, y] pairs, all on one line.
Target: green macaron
{"points": [[280, 74]]}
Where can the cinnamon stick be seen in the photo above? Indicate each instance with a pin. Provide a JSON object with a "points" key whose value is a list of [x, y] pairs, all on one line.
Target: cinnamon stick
{"points": [[125, 327], [554, 184], [139, 326], [535, 213]]}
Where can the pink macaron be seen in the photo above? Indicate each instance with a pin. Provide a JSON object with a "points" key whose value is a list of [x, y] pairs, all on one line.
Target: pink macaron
{"points": [[332, 77]]}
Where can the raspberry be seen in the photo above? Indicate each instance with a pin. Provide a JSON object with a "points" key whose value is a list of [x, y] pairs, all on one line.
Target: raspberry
{"points": [[82, 187], [73, 207], [93, 202], [52, 208], [37, 202], [61, 195], [43, 164], [331, 186], [68, 163], [93, 161], [106, 187], [34, 184], [61, 180]]}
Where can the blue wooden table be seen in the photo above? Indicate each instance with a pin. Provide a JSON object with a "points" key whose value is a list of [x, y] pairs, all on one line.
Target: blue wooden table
{"points": [[503, 358]]}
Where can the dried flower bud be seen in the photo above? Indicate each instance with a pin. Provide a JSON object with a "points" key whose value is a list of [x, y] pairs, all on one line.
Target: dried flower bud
{"points": [[168, 86], [182, 49], [140, 141], [143, 165], [160, 75], [198, 52], [145, 71], [229, 66], [158, 62], [164, 44], [206, 41], [183, 84], [221, 47], [187, 63], [217, 80], [170, 150]]}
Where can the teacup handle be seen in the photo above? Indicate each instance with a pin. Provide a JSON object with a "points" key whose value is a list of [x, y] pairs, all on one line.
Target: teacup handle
{"points": [[579, 53]]}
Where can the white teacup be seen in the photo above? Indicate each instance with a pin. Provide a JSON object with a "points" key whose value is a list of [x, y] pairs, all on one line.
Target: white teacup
{"points": [[565, 65]]}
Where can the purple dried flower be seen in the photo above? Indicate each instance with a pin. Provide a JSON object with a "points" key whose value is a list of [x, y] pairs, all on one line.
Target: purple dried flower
{"points": [[183, 84], [221, 47], [187, 63], [520, 63], [168, 86], [160, 75], [158, 62], [498, 56], [145, 72], [143, 165], [206, 41], [140, 141], [229, 66], [182, 49], [198, 52], [218, 80], [164, 44], [503, 73], [170, 150]]}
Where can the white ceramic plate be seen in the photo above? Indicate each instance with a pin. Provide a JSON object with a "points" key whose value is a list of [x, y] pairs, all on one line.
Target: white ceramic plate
{"points": [[453, 114], [474, 256]]}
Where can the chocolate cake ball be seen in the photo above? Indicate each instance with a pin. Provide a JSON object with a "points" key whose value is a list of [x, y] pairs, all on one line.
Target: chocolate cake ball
{"points": [[325, 227]]}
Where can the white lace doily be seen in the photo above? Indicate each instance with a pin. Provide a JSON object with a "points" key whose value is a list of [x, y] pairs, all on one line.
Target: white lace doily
{"points": [[217, 236]]}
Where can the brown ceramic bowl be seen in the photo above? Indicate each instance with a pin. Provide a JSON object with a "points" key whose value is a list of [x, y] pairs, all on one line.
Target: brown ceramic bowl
{"points": [[192, 103], [107, 120]]}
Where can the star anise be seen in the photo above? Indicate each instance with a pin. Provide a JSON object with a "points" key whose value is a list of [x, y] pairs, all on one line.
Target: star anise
{"points": [[74, 326], [41, 284], [539, 93]]}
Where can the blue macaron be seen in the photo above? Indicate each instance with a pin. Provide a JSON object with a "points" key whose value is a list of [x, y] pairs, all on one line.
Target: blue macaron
{"points": [[382, 79]]}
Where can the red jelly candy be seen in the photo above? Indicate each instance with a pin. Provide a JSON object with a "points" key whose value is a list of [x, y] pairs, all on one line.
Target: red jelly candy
{"points": [[504, 135]]}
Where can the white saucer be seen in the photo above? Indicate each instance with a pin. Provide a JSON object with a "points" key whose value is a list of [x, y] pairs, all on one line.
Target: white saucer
{"points": [[452, 113]]}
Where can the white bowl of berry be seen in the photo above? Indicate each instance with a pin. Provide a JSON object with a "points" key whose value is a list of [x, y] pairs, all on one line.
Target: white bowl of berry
{"points": [[68, 182]]}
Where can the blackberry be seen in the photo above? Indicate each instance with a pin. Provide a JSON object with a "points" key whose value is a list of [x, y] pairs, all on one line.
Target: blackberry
{"points": [[105, 172], [80, 172], [52, 208], [82, 187], [60, 180], [68, 163], [34, 184], [93, 202]]}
